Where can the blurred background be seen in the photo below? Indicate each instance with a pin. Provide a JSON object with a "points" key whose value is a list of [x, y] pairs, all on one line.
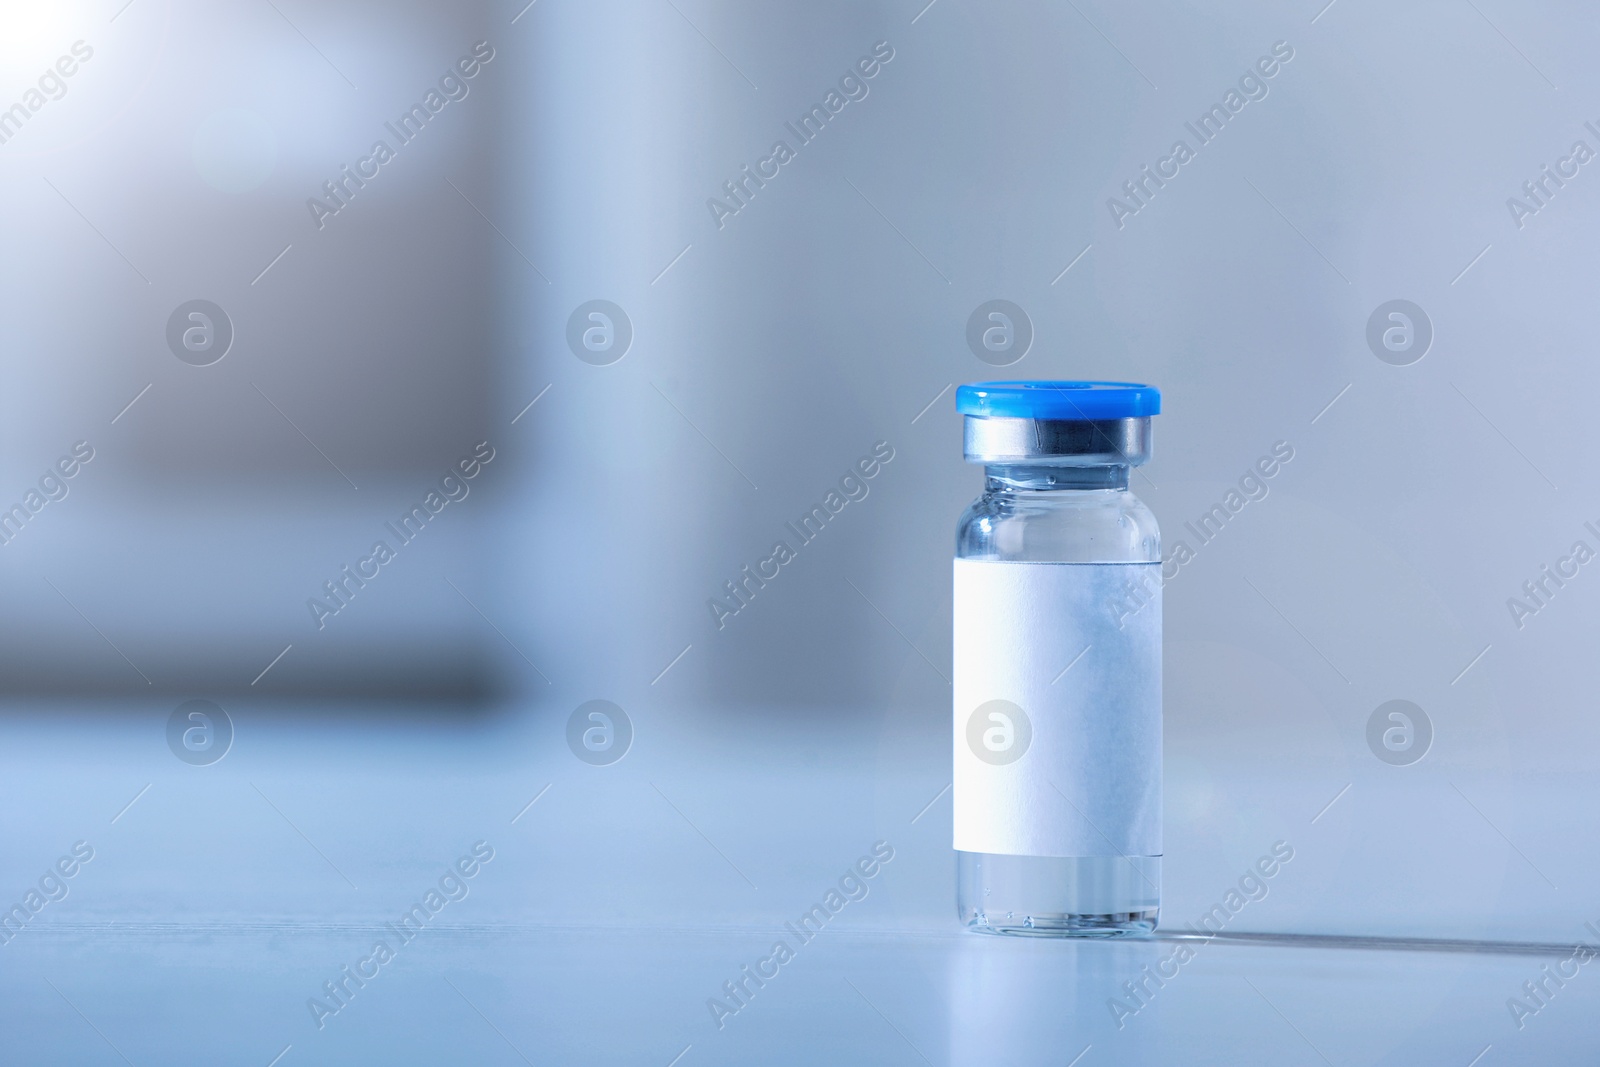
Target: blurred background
{"points": [[670, 359], [766, 350]]}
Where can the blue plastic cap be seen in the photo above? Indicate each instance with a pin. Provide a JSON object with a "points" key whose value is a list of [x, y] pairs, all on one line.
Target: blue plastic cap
{"points": [[1066, 401]]}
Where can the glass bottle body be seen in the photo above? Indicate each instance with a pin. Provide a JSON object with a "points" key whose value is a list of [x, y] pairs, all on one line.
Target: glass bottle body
{"points": [[1045, 513]]}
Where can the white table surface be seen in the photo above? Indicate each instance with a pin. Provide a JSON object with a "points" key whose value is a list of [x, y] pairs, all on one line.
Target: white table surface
{"points": [[224, 897]]}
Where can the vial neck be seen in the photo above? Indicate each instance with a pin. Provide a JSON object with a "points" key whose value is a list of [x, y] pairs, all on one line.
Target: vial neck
{"points": [[1012, 477]]}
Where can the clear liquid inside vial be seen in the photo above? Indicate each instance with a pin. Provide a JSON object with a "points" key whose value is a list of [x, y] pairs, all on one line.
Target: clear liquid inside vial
{"points": [[1046, 513], [1056, 896]]}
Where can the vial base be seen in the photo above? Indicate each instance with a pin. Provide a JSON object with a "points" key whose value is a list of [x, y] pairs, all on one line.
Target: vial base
{"points": [[1052, 896]]}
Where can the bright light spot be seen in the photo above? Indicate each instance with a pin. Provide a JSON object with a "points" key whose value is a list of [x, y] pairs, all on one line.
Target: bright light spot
{"points": [[33, 35]]}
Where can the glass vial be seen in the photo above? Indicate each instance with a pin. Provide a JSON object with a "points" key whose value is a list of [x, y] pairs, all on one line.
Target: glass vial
{"points": [[1057, 680]]}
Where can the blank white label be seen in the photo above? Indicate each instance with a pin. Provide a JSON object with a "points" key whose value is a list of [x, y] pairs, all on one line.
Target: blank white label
{"points": [[1058, 708]]}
